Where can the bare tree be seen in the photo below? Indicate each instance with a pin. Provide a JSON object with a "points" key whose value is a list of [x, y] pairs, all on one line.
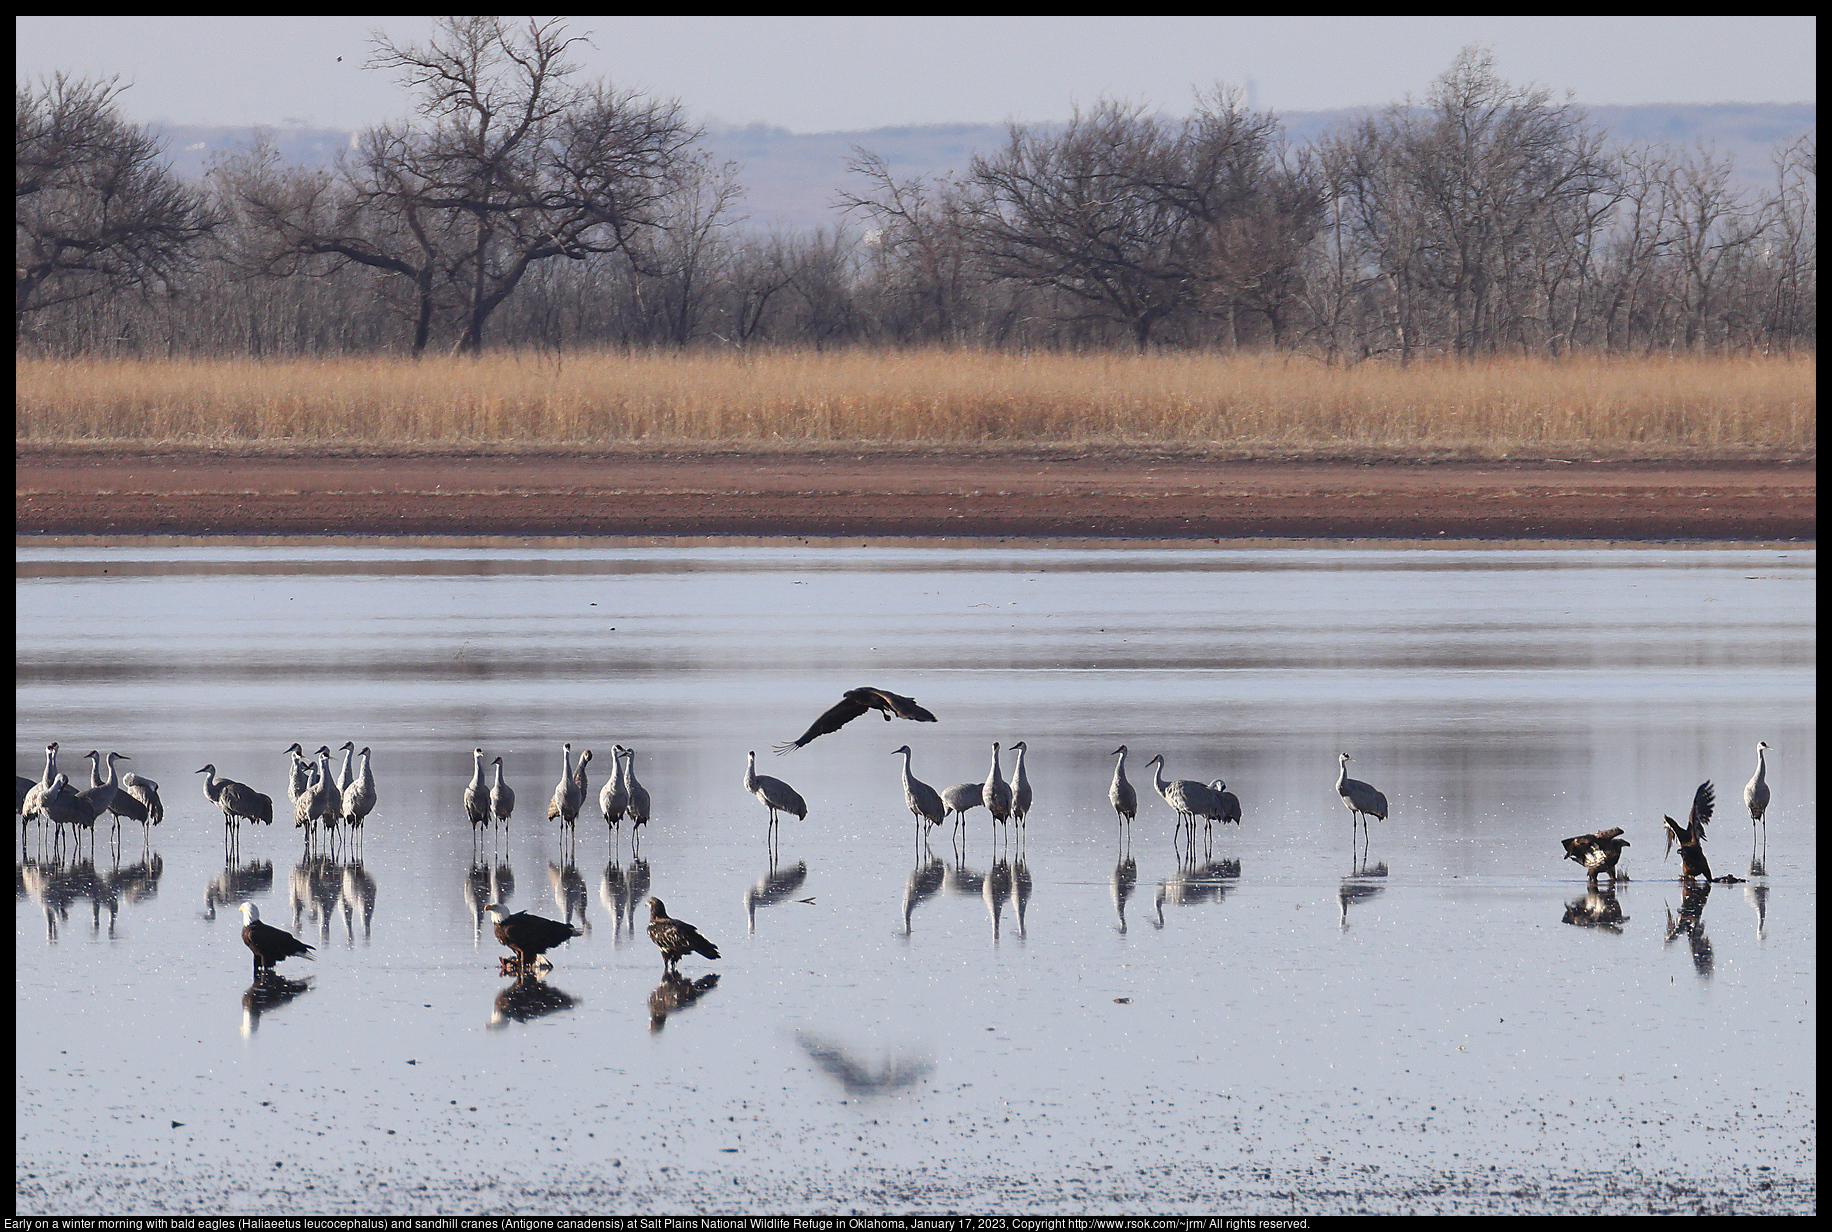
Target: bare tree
{"points": [[96, 209]]}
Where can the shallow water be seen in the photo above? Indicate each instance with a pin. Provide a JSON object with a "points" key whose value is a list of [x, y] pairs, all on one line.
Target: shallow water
{"points": [[1446, 1022]]}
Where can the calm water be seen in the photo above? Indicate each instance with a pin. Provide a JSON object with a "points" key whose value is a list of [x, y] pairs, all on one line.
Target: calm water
{"points": [[1446, 1022]]}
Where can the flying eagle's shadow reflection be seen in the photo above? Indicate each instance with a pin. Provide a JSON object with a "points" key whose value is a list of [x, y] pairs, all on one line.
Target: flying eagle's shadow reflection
{"points": [[897, 1070]]}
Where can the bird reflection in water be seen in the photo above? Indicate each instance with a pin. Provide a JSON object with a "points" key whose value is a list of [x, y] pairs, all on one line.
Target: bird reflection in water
{"points": [[614, 894], [1205, 881], [1757, 897], [996, 889], [677, 992], [569, 893], [923, 883], [269, 991], [897, 1070], [315, 892], [1359, 886], [236, 884], [773, 887], [1125, 879], [358, 897], [1690, 923], [528, 998], [1020, 888], [636, 884], [55, 885], [1596, 909]]}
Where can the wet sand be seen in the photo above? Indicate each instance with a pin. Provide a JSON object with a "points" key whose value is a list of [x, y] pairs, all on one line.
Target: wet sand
{"points": [[923, 494]]}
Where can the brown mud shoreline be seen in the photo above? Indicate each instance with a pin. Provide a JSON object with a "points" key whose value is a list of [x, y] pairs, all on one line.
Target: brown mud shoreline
{"points": [[902, 493]]}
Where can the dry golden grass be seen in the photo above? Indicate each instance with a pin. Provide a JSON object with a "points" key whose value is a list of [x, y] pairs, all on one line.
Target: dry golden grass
{"points": [[1230, 406]]}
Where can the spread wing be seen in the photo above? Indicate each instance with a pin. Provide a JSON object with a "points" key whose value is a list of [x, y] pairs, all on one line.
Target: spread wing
{"points": [[894, 703], [842, 713], [1702, 805], [1672, 833]]}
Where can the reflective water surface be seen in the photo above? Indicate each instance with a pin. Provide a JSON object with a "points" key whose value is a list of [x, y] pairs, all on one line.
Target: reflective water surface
{"points": [[1063, 1019]]}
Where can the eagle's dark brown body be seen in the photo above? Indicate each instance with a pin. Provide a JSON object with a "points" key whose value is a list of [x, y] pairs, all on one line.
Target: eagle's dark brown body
{"points": [[1691, 839], [676, 938], [856, 702], [1598, 852], [268, 944], [530, 936]]}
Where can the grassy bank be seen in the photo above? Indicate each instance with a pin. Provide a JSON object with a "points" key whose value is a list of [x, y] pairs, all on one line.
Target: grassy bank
{"points": [[1251, 405]]}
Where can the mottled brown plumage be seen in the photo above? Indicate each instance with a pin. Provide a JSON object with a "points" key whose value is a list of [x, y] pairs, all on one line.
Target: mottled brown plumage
{"points": [[676, 938], [1598, 852]]}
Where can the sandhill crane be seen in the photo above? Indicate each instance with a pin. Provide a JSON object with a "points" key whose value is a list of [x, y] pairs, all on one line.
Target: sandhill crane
{"points": [[476, 795], [961, 797], [1361, 799], [359, 796], [566, 794], [1691, 839], [1188, 797], [1020, 786], [1120, 794], [854, 703], [344, 777], [31, 807], [584, 784], [327, 799], [996, 794], [1225, 803], [137, 799], [777, 796], [238, 801], [299, 773], [1755, 794], [63, 806], [614, 797], [923, 801], [638, 808], [100, 796], [502, 798]]}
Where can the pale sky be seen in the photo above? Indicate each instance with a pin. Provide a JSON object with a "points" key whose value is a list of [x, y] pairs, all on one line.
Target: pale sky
{"points": [[846, 73]]}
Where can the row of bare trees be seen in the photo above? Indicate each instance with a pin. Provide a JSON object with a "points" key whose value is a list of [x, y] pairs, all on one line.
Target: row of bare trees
{"points": [[523, 207]]}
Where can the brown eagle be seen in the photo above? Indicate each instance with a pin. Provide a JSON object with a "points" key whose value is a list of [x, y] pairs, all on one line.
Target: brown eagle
{"points": [[676, 938]]}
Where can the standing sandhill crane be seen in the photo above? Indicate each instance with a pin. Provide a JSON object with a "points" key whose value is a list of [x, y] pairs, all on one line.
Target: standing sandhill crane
{"points": [[1020, 786], [1755, 794], [62, 806], [359, 796], [1188, 797], [299, 772], [476, 795], [1361, 799], [327, 798], [1120, 794], [303, 817], [1226, 804], [614, 797], [238, 801], [777, 796], [101, 793], [1691, 839], [638, 808], [31, 806], [138, 800], [854, 703], [502, 798], [922, 800], [344, 777], [566, 794], [584, 784], [997, 793], [961, 797]]}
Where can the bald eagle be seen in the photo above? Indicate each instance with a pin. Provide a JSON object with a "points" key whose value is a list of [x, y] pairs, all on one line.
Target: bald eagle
{"points": [[856, 702], [530, 936], [269, 944], [675, 938]]}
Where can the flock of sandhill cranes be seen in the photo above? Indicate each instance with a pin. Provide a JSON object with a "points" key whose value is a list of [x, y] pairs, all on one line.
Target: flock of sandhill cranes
{"points": [[53, 801]]}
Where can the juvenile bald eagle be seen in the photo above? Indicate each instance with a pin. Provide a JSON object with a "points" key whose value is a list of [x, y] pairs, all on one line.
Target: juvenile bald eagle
{"points": [[856, 702], [1691, 839], [269, 944], [530, 936], [1598, 852], [676, 938]]}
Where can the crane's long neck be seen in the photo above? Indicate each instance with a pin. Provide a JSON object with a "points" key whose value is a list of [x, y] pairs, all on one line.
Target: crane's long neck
{"points": [[95, 771], [1343, 776], [750, 773], [994, 776], [1761, 764], [499, 772], [1157, 779], [629, 768], [50, 765], [345, 772]]}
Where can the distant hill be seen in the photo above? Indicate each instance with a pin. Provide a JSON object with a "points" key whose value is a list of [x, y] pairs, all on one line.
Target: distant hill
{"points": [[791, 179]]}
